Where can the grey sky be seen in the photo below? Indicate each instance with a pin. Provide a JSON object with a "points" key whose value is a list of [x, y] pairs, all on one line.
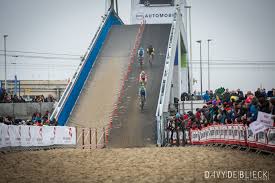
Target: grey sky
{"points": [[241, 29]]}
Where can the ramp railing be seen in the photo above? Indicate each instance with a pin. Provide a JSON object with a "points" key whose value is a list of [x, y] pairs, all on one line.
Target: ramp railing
{"points": [[165, 88], [75, 86]]}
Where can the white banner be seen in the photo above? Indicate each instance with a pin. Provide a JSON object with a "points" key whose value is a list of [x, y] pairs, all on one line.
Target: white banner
{"points": [[212, 133], [265, 119], [261, 137], [203, 135], [217, 132], [13, 136], [156, 12], [224, 132], [237, 134], [257, 127], [194, 136], [65, 135], [271, 136], [250, 136], [230, 134], [242, 132], [26, 136]]}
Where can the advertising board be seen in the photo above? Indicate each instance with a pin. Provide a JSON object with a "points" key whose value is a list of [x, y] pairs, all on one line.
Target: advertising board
{"points": [[154, 11]]}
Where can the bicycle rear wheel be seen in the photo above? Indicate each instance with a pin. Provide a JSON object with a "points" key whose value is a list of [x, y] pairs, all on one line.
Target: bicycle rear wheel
{"points": [[142, 102], [150, 59]]}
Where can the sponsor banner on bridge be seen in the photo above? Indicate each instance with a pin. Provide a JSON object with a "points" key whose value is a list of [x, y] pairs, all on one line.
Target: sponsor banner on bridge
{"points": [[14, 136], [153, 11]]}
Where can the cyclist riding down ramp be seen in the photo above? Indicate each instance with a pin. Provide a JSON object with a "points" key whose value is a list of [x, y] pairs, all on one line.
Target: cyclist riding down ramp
{"points": [[133, 127]]}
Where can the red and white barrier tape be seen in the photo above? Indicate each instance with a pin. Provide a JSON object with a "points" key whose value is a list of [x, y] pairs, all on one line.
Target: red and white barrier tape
{"points": [[236, 134]]}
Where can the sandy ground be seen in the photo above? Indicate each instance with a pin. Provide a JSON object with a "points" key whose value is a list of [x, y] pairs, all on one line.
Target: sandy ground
{"points": [[186, 164]]}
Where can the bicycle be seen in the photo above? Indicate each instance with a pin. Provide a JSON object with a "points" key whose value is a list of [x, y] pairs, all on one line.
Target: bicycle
{"points": [[142, 102], [140, 60], [142, 94], [151, 57]]}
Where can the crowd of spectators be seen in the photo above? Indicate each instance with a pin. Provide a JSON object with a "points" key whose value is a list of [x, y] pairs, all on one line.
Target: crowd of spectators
{"points": [[223, 107], [37, 120], [6, 97], [211, 95]]}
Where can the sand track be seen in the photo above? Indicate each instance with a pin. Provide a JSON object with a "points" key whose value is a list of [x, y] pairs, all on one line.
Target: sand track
{"points": [[128, 165]]}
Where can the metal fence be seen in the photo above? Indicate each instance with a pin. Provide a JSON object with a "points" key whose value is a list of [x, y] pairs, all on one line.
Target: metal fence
{"points": [[178, 136], [91, 138], [86, 138], [192, 105]]}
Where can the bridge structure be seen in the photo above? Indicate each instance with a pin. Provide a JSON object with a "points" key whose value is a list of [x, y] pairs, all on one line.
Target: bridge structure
{"points": [[104, 89]]}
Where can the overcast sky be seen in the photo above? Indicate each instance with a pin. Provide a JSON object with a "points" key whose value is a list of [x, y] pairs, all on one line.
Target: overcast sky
{"points": [[242, 31]]}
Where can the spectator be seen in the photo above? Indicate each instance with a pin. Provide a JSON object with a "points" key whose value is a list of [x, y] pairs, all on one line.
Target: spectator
{"points": [[184, 96], [270, 93], [226, 96], [263, 93], [6, 97], [253, 109], [240, 94], [264, 105], [258, 93], [211, 95], [1, 94], [36, 120], [232, 108], [249, 93], [272, 108], [206, 96], [176, 103]]}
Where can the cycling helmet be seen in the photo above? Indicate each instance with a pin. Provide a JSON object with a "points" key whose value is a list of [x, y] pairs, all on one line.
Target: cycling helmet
{"points": [[142, 74]]}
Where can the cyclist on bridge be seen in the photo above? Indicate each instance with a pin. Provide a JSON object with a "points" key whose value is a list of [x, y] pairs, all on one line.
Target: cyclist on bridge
{"points": [[140, 55], [143, 78], [150, 50], [142, 92]]}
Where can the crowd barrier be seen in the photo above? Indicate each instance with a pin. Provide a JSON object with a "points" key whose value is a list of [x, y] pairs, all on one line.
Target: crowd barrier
{"points": [[91, 138], [183, 138], [36, 136], [234, 134]]}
